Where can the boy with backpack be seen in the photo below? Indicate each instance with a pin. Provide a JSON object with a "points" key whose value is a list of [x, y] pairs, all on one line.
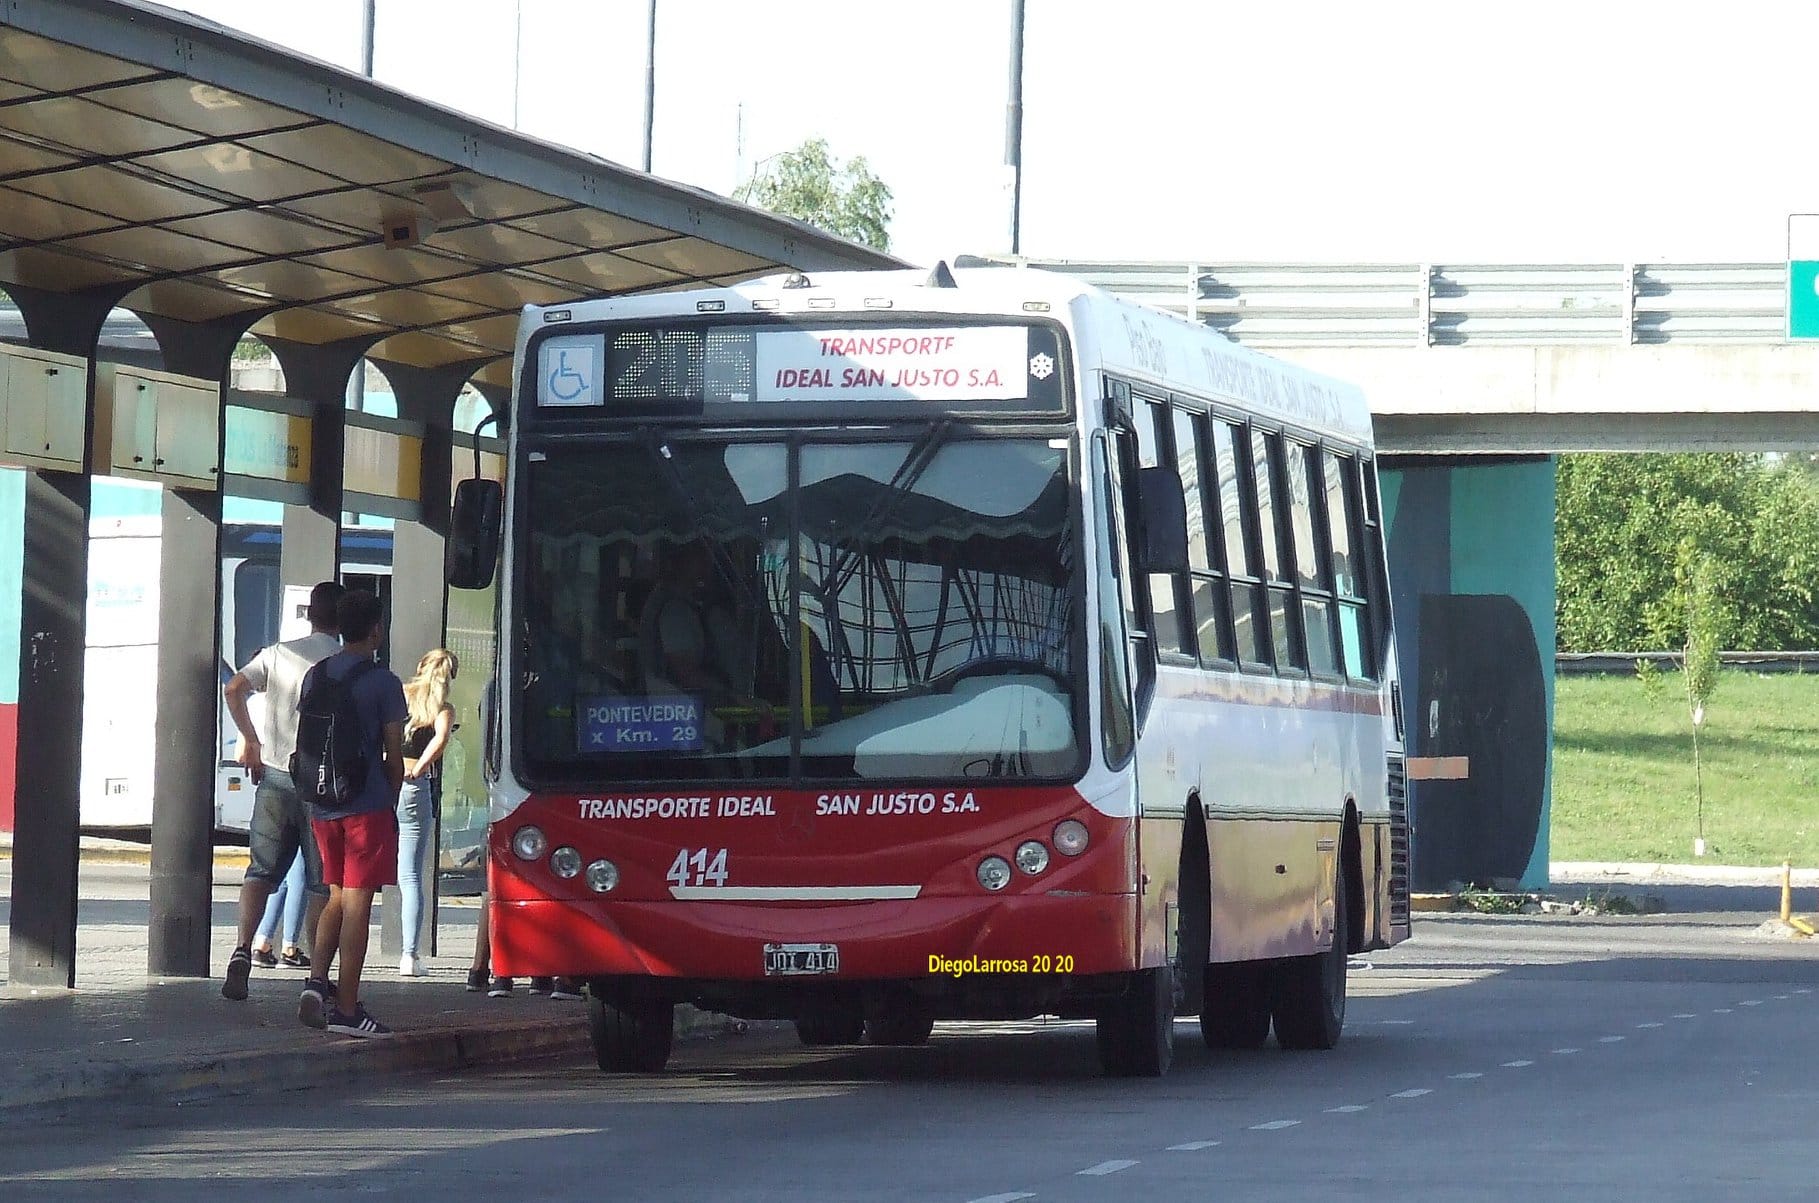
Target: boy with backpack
{"points": [[349, 766]]}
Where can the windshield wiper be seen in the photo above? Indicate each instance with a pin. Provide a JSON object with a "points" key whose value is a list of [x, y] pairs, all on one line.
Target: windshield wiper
{"points": [[845, 558]]}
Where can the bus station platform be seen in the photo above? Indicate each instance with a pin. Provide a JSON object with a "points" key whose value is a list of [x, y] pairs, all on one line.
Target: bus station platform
{"points": [[124, 1038]]}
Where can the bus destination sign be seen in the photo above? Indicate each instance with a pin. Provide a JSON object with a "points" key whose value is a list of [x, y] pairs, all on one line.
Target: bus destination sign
{"points": [[617, 723], [679, 369], [976, 363]]}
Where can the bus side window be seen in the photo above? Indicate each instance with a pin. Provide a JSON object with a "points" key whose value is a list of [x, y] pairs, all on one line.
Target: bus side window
{"points": [[1173, 624], [1347, 540], [1238, 522], [1122, 471], [1273, 518], [1118, 726]]}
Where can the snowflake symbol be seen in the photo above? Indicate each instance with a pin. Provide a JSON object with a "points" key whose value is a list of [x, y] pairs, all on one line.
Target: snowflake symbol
{"points": [[1042, 367]]}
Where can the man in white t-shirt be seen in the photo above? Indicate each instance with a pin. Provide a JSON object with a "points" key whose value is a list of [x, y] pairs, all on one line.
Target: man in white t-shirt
{"points": [[280, 824]]}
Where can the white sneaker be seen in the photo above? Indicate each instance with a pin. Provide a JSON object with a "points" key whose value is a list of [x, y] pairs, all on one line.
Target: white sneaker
{"points": [[410, 966]]}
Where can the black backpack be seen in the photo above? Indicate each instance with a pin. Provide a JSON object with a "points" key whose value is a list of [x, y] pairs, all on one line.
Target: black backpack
{"points": [[329, 766]]}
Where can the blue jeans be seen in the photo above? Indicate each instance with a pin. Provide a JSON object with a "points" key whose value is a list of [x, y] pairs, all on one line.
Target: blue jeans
{"points": [[417, 805], [287, 899]]}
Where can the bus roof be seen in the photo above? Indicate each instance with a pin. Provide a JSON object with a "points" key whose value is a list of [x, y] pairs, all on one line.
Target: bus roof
{"points": [[1146, 346]]}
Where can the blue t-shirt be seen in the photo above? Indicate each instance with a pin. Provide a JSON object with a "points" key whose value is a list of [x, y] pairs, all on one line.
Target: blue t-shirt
{"points": [[379, 697]]}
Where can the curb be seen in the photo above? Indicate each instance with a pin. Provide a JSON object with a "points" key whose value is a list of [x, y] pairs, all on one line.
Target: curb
{"points": [[177, 1080]]}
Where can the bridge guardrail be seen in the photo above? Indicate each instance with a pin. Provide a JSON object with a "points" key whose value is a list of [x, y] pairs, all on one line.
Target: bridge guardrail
{"points": [[1419, 304]]}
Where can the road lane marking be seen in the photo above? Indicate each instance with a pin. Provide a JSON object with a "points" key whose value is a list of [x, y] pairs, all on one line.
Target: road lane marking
{"points": [[1565, 1052], [1275, 1125], [1411, 1094], [1465, 1077], [1750, 1002], [1347, 1109], [1686, 1015], [1012, 1197], [1105, 1167], [1193, 1146], [1610, 1039], [1721, 1010], [1780, 998], [1651, 1025], [1803, 990], [1517, 1064], [1397, 1022]]}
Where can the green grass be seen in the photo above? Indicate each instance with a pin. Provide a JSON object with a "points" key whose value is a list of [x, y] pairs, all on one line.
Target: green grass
{"points": [[1623, 787]]}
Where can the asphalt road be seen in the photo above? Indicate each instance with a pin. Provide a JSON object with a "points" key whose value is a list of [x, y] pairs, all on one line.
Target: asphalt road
{"points": [[1668, 1057]]}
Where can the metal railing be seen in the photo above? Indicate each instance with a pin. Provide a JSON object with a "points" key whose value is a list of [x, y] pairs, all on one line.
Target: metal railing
{"points": [[1404, 305]]}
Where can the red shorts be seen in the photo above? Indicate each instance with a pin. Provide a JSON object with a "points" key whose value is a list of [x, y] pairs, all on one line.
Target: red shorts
{"points": [[359, 852]]}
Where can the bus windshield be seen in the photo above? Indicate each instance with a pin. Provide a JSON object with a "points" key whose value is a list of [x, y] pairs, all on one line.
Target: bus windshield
{"points": [[708, 610]]}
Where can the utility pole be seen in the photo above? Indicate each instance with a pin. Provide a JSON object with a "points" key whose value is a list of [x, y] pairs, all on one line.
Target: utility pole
{"points": [[517, 55], [650, 82], [1013, 127], [366, 37]]}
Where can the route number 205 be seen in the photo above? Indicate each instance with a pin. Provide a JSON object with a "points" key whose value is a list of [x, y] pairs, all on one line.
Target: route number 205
{"points": [[698, 867]]}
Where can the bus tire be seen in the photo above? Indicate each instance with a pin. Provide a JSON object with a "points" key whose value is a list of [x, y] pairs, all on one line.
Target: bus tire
{"points": [[630, 1038], [900, 1027], [1137, 1031], [825, 1028], [1236, 1011], [1309, 1003]]}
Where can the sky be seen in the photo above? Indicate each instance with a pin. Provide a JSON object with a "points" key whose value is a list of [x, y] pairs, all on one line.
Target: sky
{"points": [[1403, 131]]}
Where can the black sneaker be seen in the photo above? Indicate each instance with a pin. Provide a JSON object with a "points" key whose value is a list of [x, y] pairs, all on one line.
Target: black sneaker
{"points": [[542, 985], [476, 980], [567, 989], [239, 968], [360, 1023], [499, 987], [316, 1002], [295, 959], [263, 958]]}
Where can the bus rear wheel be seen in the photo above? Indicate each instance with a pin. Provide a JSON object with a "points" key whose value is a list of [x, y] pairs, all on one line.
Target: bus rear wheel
{"points": [[900, 1027], [1137, 1032], [1309, 1002], [633, 1037], [1235, 1013], [822, 1028]]}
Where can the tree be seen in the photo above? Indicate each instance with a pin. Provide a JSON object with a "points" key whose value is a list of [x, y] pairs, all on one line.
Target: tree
{"points": [[1623, 522], [1704, 635], [807, 184]]}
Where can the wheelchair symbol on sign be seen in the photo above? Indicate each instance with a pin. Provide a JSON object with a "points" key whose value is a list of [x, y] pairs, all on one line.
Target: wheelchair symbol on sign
{"points": [[565, 383]]}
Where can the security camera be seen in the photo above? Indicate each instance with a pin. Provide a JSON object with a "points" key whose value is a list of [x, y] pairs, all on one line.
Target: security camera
{"points": [[408, 227]]}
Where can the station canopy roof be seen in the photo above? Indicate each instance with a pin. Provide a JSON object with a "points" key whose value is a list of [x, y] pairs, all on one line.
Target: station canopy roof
{"points": [[211, 174]]}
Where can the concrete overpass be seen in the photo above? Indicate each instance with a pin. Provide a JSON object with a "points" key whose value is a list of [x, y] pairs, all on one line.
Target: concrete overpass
{"points": [[1478, 375], [1519, 359]]}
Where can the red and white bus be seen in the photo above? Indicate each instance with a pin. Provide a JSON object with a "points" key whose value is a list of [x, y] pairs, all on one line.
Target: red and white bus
{"points": [[882, 648]]}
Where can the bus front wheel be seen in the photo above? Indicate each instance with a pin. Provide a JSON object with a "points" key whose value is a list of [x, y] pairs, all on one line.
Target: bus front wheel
{"points": [[1137, 1031], [634, 1037], [1309, 1003]]}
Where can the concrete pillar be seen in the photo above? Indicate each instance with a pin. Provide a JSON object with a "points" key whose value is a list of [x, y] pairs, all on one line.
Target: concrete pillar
{"points": [[419, 597], [188, 686], [52, 642], [311, 548]]}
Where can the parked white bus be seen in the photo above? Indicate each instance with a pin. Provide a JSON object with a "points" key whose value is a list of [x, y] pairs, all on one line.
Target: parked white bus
{"points": [[1065, 680]]}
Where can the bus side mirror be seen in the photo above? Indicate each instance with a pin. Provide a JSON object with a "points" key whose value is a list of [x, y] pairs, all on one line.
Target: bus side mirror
{"points": [[1164, 520], [472, 552]]}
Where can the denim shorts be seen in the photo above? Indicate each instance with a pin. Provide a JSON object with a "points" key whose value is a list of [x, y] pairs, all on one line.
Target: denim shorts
{"points": [[279, 828]]}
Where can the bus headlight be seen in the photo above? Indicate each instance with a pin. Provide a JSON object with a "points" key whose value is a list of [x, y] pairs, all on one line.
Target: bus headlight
{"points": [[565, 862], [529, 843], [602, 876], [1070, 837], [994, 873], [1032, 856]]}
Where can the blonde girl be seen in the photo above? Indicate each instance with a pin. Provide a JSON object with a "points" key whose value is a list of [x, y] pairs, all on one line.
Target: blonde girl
{"points": [[428, 722]]}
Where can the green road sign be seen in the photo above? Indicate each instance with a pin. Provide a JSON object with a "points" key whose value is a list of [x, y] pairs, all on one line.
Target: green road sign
{"points": [[1803, 298]]}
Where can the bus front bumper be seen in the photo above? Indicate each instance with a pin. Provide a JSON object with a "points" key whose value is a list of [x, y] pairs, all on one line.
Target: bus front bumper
{"points": [[876, 940]]}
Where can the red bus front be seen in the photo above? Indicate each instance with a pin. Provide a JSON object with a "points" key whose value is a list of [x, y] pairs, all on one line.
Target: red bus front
{"points": [[799, 720]]}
